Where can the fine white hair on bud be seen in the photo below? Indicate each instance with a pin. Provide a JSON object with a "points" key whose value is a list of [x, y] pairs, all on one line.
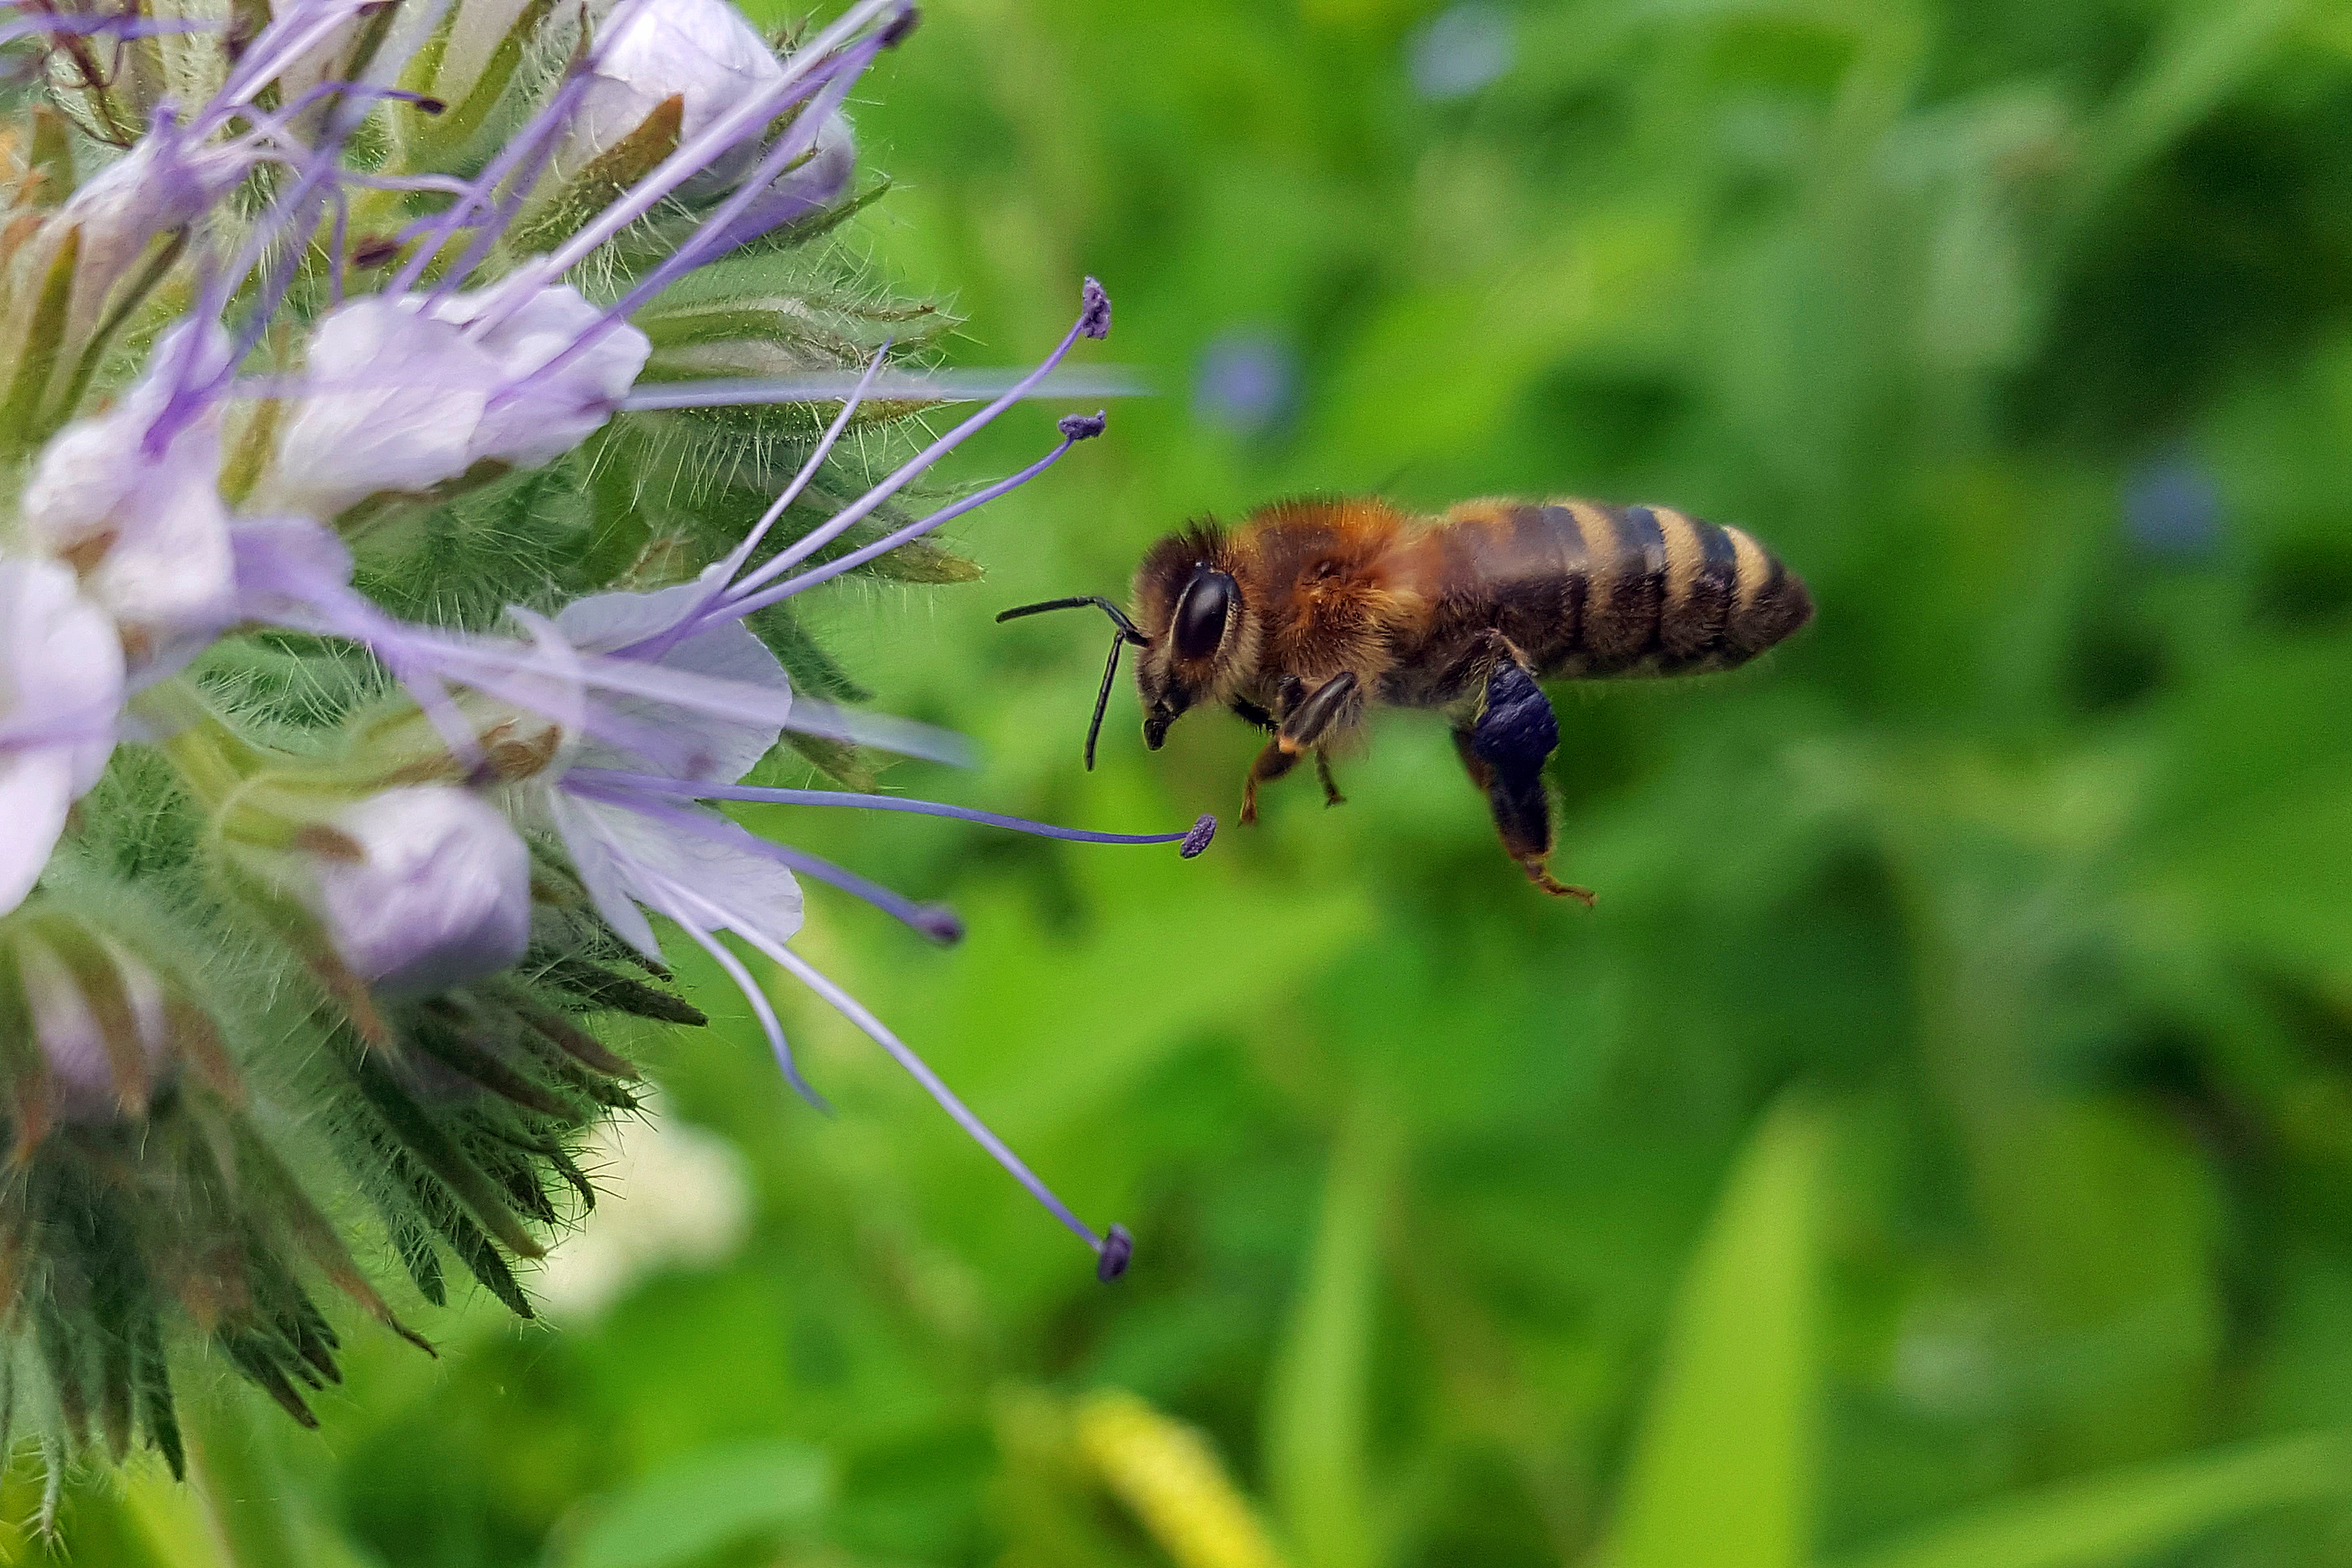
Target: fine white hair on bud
{"points": [[60, 700], [700, 52], [421, 889]]}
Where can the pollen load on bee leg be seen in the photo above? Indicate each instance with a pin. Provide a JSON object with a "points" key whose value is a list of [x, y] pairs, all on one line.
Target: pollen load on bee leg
{"points": [[1517, 730]]}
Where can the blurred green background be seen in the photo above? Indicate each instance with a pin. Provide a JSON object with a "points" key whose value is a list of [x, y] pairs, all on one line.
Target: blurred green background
{"points": [[1935, 1152]]}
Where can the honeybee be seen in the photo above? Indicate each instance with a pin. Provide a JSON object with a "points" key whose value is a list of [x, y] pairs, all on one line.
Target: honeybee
{"points": [[1310, 612]]}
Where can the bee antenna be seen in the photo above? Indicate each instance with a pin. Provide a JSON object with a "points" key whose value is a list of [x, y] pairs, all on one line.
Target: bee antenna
{"points": [[1102, 698], [1126, 629], [1126, 634]]}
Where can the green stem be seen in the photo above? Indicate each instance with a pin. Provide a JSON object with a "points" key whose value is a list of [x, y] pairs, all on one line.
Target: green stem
{"points": [[213, 759], [243, 1488]]}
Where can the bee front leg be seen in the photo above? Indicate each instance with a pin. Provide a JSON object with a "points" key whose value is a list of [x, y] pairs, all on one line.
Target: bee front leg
{"points": [[1504, 752], [1271, 764]]}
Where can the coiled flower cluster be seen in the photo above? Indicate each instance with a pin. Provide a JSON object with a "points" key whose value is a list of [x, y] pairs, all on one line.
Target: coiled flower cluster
{"points": [[421, 418]]}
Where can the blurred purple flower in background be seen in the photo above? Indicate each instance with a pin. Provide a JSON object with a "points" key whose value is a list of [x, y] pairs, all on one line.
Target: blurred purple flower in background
{"points": [[2172, 508], [1460, 50], [1246, 382]]}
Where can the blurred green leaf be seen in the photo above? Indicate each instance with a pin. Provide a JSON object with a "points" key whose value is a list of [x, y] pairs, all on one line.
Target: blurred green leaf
{"points": [[1724, 1473], [2208, 48], [2129, 1517], [1315, 1417], [704, 1501]]}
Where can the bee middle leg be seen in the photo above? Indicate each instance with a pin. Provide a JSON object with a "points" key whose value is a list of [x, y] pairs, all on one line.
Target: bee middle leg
{"points": [[1333, 706], [1504, 752], [1271, 764], [1331, 796]]}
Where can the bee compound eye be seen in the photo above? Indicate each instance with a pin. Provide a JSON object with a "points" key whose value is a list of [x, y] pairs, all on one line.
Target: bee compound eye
{"points": [[1201, 614]]}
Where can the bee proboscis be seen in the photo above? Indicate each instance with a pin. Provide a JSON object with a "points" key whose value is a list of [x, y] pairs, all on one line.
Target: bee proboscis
{"points": [[1310, 612]]}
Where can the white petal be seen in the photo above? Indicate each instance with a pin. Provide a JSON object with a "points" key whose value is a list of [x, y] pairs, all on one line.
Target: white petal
{"points": [[702, 51], [147, 526], [60, 700], [539, 418], [720, 862], [88, 470], [405, 392], [35, 788], [172, 582], [603, 622], [392, 401], [724, 748], [80, 481], [602, 872]]}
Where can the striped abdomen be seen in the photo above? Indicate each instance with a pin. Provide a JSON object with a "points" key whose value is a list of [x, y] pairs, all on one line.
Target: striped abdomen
{"points": [[1584, 589]]}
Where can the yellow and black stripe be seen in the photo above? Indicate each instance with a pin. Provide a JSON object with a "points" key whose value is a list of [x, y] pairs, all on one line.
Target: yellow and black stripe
{"points": [[1584, 589]]}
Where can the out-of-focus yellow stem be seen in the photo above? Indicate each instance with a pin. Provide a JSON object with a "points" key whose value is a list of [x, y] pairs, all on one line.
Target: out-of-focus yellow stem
{"points": [[1167, 1474]]}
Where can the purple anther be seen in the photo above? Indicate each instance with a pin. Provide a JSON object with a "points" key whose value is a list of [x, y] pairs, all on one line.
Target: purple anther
{"points": [[431, 106], [1083, 426], [904, 23], [1198, 839], [1111, 1260], [1093, 317], [940, 923]]}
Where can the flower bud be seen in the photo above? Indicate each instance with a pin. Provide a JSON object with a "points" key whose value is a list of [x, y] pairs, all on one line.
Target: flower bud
{"points": [[144, 524], [420, 889], [407, 393], [112, 65], [162, 185], [809, 187], [415, 889], [143, 1198], [480, 52], [399, 892], [701, 52], [60, 695], [97, 1019]]}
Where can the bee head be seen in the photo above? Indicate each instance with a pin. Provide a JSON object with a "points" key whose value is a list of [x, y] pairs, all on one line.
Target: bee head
{"points": [[1191, 623], [1188, 600]]}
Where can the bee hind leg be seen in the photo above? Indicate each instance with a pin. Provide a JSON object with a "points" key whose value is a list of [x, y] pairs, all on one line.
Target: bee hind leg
{"points": [[1504, 752]]}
